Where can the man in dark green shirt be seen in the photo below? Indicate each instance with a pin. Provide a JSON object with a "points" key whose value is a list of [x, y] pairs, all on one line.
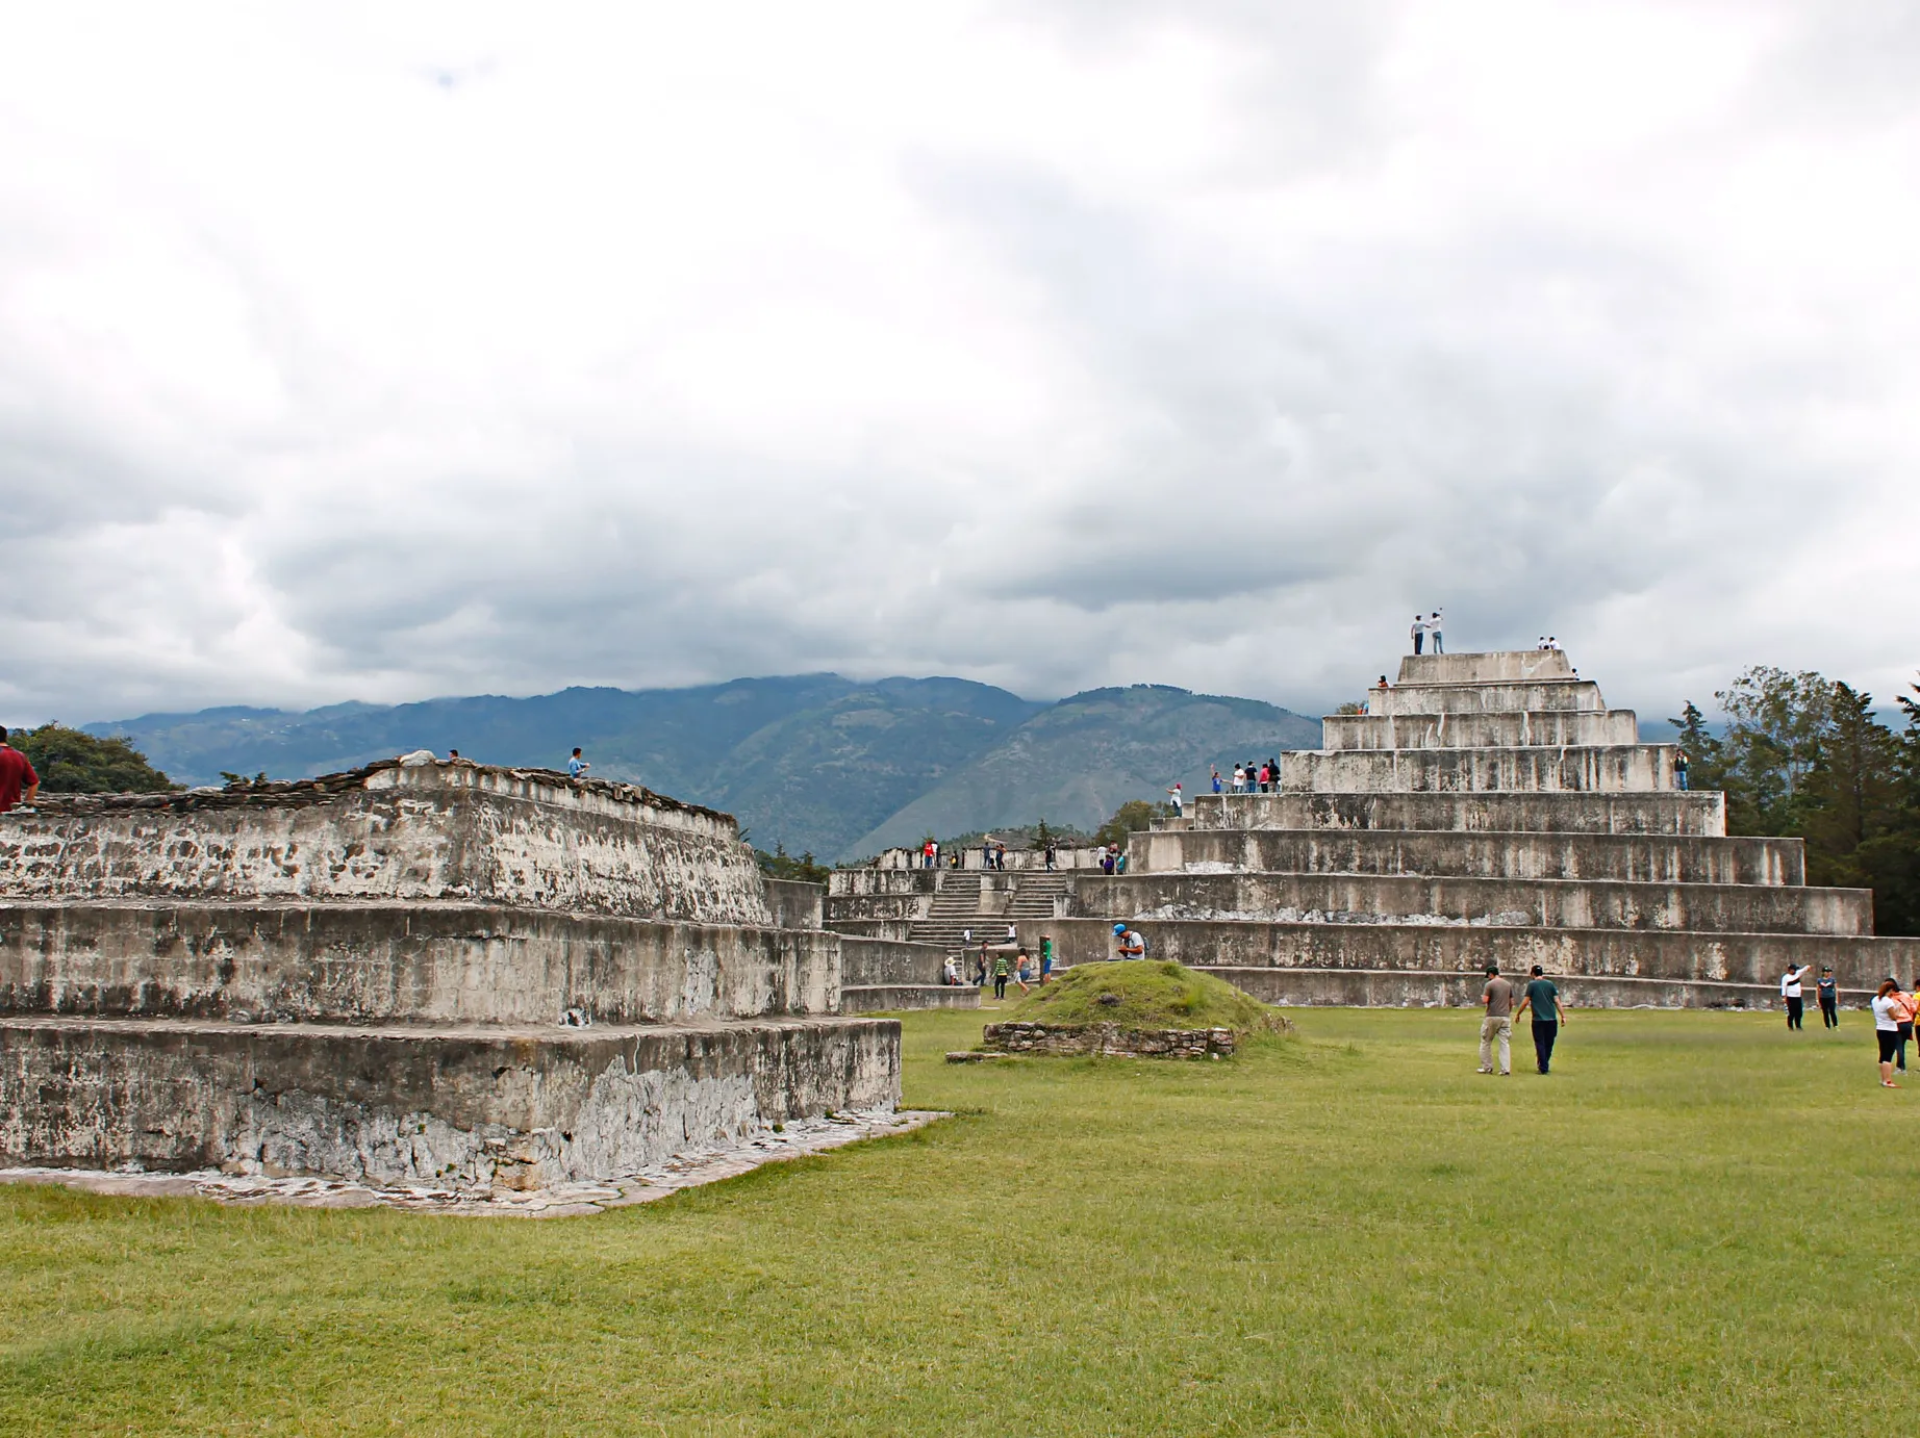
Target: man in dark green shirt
{"points": [[1544, 999]]}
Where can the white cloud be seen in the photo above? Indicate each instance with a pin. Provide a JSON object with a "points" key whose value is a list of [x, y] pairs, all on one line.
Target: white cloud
{"points": [[389, 352]]}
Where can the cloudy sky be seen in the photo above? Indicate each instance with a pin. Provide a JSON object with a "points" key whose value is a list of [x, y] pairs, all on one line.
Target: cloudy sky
{"points": [[398, 351]]}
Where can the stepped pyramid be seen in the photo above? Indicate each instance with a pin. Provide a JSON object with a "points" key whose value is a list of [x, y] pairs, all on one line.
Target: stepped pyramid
{"points": [[1488, 808]]}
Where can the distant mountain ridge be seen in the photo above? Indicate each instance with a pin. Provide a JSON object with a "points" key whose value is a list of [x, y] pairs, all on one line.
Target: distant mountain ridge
{"points": [[812, 761]]}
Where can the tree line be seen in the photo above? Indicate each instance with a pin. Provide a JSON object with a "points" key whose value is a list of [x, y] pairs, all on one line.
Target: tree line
{"points": [[1805, 756]]}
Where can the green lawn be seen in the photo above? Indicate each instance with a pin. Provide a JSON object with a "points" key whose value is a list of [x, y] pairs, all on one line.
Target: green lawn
{"points": [[1696, 1225]]}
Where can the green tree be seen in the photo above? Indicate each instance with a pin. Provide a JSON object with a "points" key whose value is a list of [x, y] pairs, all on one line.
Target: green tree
{"points": [[782, 865], [71, 761], [1777, 723], [1129, 818]]}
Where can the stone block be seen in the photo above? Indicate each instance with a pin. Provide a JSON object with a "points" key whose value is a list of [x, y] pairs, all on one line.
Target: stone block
{"points": [[1697, 814], [1665, 954], [456, 1108], [435, 832], [892, 998], [1550, 903], [1620, 768], [1542, 696], [1500, 666], [1399, 988], [1638, 858], [1109, 1041], [889, 961], [1470, 731], [401, 963]]}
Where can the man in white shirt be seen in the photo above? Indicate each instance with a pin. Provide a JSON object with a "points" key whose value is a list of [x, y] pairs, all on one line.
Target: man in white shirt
{"points": [[1418, 633], [1178, 798], [1790, 991], [1433, 629]]}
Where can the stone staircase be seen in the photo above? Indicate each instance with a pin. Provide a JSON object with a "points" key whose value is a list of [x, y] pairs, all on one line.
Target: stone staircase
{"points": [[955, 909]]}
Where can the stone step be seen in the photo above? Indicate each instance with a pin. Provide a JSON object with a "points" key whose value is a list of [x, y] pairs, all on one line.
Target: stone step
{"points": [[1697, 814], [1402, 988], [1666, 954], [408, 962], [889, 998], [1701, 909], [1564, 696], [898, 930], [1616, 769], [1638, 858], [1498, 666], [456, 1107], [1479, 731]]}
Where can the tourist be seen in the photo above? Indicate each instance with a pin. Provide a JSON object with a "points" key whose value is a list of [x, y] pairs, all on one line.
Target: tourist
{"points": [[1265, 778], [986, 853], [1216, 778], [16, 772], [1886, 1029], [1790, 991], [1013, 934], [927, 852], [1053, 856], [1001, 965], [1046, 958], [1433, 630], [1119, 860], [1022, 962], [1273, 773], [1176, 798], [1106, 861], [1828, 992], [1239, 779], [1903, 1011], [950, 972], [576, 766], [1680, 770], [1419, 632], [453, 756], [1497, 999], [1129, 944], [1544, 999], [1000, 855]]}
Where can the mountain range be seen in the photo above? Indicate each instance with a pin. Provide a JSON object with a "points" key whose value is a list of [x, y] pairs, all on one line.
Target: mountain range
{"points": [[813, 762]]}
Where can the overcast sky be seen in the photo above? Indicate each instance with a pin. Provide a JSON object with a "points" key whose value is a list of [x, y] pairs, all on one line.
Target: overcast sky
{"points": [[400, 351]]}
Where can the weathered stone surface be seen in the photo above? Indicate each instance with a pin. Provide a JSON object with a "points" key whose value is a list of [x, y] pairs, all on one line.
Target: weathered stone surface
{"points": [[441, 831], [889, 961], [1665, 954], [1616, 769], [1494, 666], [1466, 731], [1701, 815], [1404, 988], [461, 1108], [794, 904], [891, 998], [406, 963], [1542, 696], [1632, 858], [1552, 903], [1109, 1040]]}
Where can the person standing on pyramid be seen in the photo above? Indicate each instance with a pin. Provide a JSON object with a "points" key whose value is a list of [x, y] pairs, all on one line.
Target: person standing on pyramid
{"points": [[1418, 633], [1433, 628]]}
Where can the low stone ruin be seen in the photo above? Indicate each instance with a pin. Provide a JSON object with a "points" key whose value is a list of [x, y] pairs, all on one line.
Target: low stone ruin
{"points": [[1108, 1041], [436, 974]]}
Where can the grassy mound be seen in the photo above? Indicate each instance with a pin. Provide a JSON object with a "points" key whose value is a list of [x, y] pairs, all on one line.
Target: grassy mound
{"points": [[1143, 994]]}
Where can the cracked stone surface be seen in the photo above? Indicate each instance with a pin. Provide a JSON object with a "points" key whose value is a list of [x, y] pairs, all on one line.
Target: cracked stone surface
{"points": [[798, 1139]]}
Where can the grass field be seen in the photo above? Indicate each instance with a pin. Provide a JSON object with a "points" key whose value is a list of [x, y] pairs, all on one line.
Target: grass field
{"points": [[1698, 1224]]}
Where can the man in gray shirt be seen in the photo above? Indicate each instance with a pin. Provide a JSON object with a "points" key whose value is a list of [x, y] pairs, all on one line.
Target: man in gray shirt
{"points": [[1498, 1024]]}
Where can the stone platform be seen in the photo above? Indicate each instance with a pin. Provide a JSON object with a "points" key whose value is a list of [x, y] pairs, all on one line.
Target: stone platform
{"points": [[417, 973]]}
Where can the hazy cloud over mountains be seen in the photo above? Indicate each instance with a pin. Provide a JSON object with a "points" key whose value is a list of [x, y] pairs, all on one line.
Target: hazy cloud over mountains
{"points": [[383, 353]]}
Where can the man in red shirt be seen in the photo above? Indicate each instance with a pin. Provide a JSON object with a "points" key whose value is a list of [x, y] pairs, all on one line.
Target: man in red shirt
{"points": [[15, 770]]}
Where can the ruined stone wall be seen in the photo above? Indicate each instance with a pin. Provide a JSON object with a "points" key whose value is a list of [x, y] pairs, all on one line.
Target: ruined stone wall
{"points": [[401, 963], [437, 831], [472, 1108]]}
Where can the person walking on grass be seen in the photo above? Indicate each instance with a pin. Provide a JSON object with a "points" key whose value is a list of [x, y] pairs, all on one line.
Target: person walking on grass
{"points": [[1001, 965], [1046, 958], [1022, 968], [1497, 1025], [1790, 990], [1548, 1014], [1886, 1030], [1828, 992]]}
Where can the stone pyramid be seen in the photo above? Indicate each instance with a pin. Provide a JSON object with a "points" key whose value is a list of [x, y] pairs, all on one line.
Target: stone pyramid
{"points": [[1486, 808]]}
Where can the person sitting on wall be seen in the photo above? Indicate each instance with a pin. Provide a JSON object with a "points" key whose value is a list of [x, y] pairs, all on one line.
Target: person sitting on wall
{"points": [[1128, 943]]}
